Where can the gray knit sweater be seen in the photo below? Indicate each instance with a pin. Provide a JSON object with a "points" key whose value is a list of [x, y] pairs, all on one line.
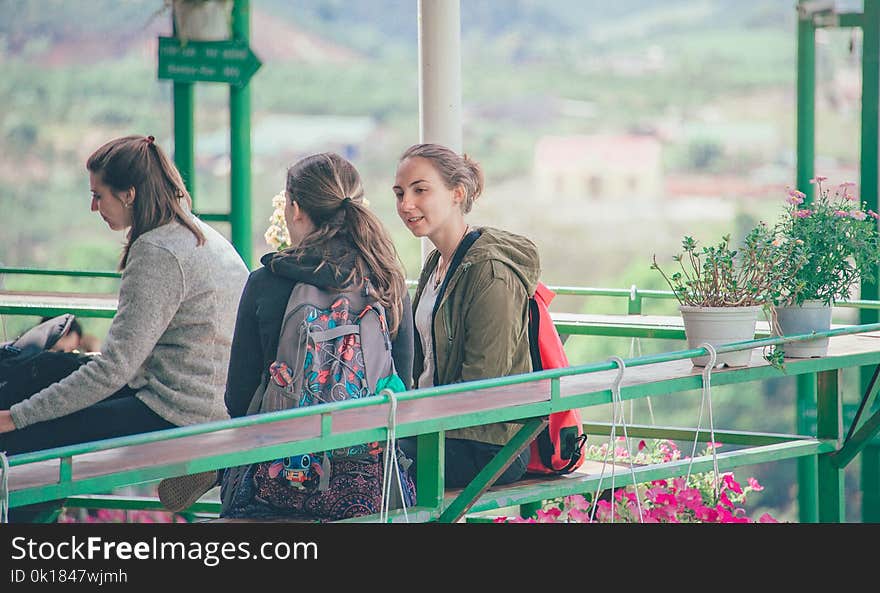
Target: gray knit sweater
{"points": [[170, 338]]}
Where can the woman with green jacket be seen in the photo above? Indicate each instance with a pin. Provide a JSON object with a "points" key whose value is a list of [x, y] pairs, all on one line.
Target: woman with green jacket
{"points": [[471, 304]]}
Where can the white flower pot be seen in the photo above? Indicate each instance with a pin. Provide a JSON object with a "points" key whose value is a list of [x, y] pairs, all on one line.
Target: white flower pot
{"points": [[203, 21], [717, 326], [803, 319]]}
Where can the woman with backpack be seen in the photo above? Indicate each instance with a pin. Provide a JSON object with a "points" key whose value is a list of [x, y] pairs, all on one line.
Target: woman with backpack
{"points": [[472, 298], [341, 252], [164, 361]]}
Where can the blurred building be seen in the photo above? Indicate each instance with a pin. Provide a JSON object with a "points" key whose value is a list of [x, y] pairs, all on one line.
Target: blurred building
{"points": [[598, 167]]}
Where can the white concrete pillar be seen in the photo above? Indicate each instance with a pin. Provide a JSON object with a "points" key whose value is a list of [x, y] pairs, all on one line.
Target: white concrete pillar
{"points": [[440, 77]]}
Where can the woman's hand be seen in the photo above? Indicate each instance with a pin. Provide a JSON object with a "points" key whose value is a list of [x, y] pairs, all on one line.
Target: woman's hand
{"points": [[6, 423]]}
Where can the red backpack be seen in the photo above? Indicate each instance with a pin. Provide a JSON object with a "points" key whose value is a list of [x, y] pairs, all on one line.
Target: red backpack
{"points": [[558, 448]]}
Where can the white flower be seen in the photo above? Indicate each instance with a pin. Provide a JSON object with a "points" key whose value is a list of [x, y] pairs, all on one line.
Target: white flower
{"points": [[276, 235]]}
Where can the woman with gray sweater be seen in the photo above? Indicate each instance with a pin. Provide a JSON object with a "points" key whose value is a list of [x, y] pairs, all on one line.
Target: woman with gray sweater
{"points": [[165, 358]]}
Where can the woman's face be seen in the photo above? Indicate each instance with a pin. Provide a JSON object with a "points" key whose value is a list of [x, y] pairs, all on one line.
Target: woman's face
{"points": [[110, 206], [424, 203]]}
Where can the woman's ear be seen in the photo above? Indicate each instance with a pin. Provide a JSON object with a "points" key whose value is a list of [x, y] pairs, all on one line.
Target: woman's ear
{"points": [[295, 211], [458, 194], [128, 197]]}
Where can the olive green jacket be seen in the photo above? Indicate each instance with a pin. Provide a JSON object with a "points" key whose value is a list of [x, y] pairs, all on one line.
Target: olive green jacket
{"points": [[480, 321]]}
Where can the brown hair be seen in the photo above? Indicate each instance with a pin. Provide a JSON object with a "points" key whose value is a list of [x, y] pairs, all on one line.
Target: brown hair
{"points": [[138, 162], [455, 169], [329, 189]]}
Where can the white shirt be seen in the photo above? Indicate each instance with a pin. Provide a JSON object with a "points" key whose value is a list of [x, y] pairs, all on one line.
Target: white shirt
{"points": [[424, 327]]}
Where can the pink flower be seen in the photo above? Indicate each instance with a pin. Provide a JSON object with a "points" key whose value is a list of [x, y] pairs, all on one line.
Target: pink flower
{"points": [[723, 499], [841, 213], [706, 514], [691, 498], [729, 482], [858, 215], [802, 213], [818, 179], [603, 511], [642, 444], [873, 214], [665, 499], [579, 516], [548, 516], [651, 494], [724, 515], [577, 502], [795, 200], [766, 518], [754, 485]]}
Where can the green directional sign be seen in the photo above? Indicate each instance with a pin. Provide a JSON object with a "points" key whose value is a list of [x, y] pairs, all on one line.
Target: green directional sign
{"points": [[231, 62]]}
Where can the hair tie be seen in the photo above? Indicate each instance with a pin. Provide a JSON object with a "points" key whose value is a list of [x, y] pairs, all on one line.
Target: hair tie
{"points": [[346, 201], [149, 139]]}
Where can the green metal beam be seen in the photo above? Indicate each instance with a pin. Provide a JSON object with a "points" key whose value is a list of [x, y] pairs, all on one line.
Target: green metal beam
{"points": [[184, 135], [727, 437], [829, 427], [240, 146], [859, 440], [487, 476], [807, 470]]}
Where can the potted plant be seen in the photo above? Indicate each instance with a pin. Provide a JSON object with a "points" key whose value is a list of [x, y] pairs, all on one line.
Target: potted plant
{"points": [[721, 289], [201, 20], [839, 237]]}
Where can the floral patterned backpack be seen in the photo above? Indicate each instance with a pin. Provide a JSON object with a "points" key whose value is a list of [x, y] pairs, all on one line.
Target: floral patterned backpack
{"points": [[333, 346]]}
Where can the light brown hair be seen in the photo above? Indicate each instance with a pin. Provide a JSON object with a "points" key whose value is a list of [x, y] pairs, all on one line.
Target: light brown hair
{"points": [[138, 162], [455, 170], [329, 189]]}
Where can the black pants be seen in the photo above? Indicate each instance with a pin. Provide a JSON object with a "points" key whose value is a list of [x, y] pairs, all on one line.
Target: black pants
{"points": [[119, 415], [465, 459]]}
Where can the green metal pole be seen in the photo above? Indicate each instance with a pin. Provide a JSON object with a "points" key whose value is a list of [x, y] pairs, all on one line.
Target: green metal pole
{"points": [[870, 484], [806, 104], [184, 126], [808, 509], [828, 426], [430, 469], [240, 146], [184, 143], [806, 154]]}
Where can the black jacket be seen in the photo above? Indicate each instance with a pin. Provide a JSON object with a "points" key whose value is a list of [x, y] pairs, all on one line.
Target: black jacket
{"points": [[259, 320]]}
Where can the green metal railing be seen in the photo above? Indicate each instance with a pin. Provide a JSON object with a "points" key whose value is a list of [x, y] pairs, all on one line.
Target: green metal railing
{"points": [[635, 298], [830, 449]]}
